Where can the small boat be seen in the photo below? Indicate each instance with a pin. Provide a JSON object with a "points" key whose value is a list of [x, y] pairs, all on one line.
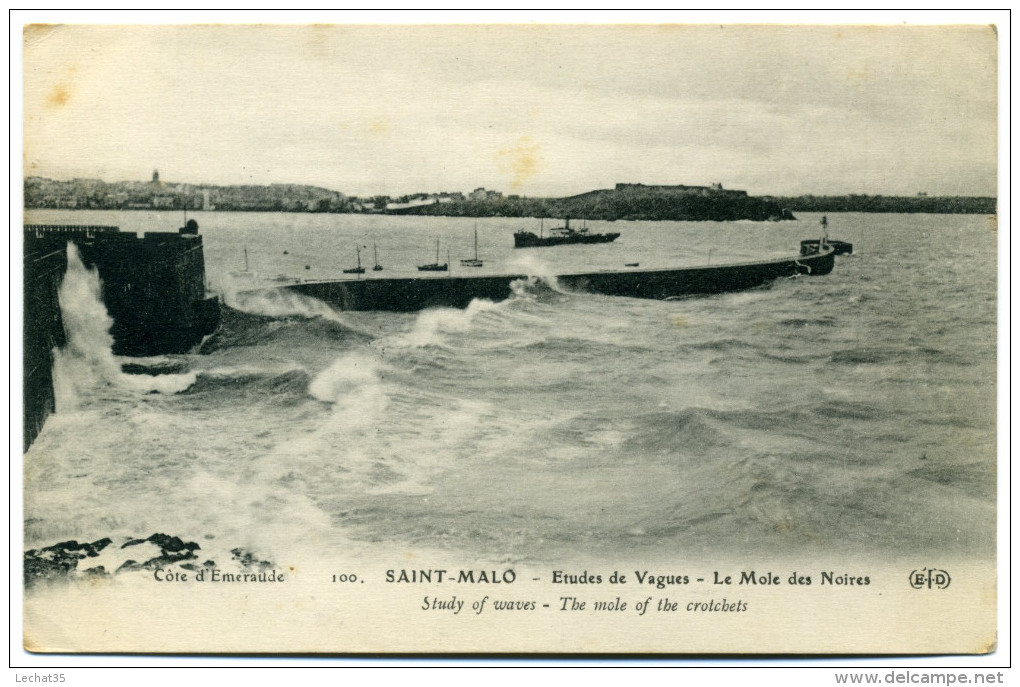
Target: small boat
{"points": [[560, 236], [473, 262], [435, 267], [359, 269], [632, 264], [246, 273], [375, 252]]}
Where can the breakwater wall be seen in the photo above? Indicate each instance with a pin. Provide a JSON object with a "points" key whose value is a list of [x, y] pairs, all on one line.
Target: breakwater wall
{"points": [[153, 287], [410, 294]]}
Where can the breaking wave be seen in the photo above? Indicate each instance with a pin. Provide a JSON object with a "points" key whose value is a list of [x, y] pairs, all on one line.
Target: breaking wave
{"points": [[86, 362]]}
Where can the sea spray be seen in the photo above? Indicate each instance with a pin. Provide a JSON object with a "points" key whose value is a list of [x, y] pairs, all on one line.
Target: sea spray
{"points": [[86, 326], [537, 271], [430, 325], [277, 523], [86, 362], [354, 386], [281, 303], [358, 437]]}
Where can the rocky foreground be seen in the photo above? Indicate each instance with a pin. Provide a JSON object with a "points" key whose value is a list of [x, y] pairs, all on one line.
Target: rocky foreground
{"points": [[100, 559]]}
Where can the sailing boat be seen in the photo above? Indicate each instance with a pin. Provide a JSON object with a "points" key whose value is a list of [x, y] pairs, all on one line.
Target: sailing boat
{"points": [[247, 273], [375, 252], [359, 269], [473, 262], [435, 267]]}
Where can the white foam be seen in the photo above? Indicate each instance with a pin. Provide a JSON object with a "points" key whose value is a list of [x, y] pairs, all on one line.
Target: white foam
{"points": [[347, 374], [537, 270], [86, 361], [431, 325], [269, 523], [353, 384], [280, 303], [245, 371]]}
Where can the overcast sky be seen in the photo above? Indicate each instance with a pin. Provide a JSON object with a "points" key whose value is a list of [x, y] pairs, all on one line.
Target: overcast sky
{"points": [[528, 109]]}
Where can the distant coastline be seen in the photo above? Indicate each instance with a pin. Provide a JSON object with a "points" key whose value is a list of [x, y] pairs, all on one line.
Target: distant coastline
{"points": [[938, 205], [626, 201]]}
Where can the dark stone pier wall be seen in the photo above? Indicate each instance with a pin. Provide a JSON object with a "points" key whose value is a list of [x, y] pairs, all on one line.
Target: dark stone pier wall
{"points": [[153, 287], [44, 330]]}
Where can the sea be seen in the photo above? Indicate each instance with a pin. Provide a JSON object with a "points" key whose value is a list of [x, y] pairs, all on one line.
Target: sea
{"points": [[847, 414]]}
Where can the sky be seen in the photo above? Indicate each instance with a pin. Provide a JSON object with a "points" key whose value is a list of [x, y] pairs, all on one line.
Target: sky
{"points": [[531, 109]]}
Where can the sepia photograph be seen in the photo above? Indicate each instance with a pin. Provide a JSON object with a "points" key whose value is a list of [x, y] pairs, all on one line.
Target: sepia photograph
{"points": [[508, 339]]}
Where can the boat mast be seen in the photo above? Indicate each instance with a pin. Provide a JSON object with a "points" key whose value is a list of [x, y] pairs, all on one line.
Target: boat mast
{"points": [[246, 258]]}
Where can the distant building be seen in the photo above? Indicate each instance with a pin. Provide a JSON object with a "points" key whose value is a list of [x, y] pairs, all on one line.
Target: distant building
{"points": [[713, 189], [416, 202], [481, 194], [206, 200], [162, 201], [155, 176]]}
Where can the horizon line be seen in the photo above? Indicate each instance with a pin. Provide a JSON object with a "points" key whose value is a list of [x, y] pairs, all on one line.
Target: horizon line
{"points": [[920, 194]]}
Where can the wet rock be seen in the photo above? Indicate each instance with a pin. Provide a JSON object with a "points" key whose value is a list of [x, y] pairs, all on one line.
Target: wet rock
{"points": [[168, 559], [172, 550], [69, 545], [60, 559], [38, 569], [154, 369], [128, 566], [247, 560], [172, 544], [72, 549]]}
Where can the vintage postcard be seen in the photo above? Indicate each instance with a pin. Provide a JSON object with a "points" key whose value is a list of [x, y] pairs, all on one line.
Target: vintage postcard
{"points": [[573, 339]]}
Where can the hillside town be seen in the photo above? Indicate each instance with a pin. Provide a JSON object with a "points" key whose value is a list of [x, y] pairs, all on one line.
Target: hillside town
{"points": [[626, 201], [156, 194]]}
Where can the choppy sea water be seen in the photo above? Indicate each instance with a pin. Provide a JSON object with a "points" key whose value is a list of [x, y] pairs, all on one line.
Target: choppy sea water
{"points": [[852, 413]]}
